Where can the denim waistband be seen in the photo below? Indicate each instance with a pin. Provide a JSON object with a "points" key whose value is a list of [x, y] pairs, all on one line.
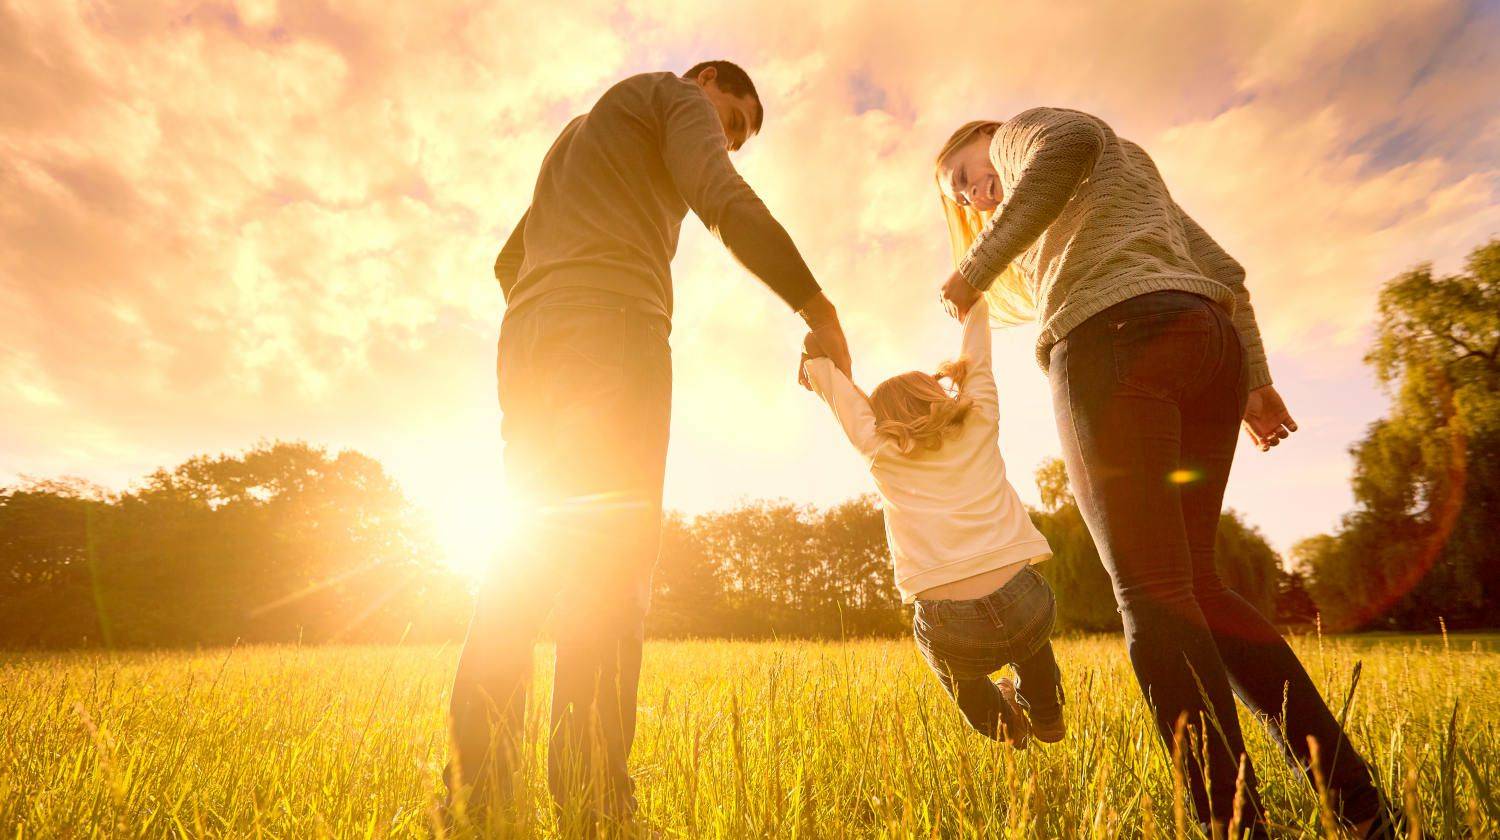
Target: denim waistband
{"points": [[584, 296], [1014, 589], [1155, 303]]}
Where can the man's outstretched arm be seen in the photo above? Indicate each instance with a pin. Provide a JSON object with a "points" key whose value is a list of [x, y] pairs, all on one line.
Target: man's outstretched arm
{"points": [[508, 263], [695, 151]]}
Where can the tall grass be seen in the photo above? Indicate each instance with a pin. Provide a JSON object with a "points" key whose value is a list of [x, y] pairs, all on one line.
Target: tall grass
{"points": [[735, 740]]}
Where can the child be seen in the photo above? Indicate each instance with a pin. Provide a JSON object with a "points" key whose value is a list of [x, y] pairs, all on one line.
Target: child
{"points": [[960, 538]]}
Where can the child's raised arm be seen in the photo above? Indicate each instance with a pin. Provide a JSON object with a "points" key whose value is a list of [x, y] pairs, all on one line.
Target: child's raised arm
{"points": [[979, 382], [849, 404]]}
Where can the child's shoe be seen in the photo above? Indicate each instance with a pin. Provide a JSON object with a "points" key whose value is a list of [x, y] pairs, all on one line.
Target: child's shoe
{"points": [[1048, 730], [1015, 727]]}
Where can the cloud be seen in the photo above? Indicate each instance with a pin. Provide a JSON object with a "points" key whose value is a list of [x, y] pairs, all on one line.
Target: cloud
{"points": [[226, 221]]}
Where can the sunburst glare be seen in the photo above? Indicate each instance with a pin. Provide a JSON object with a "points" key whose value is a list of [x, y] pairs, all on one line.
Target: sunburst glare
{"points": [[475, 523]]}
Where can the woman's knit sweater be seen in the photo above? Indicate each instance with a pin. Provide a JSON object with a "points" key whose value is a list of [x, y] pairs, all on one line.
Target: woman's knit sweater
{"points": [[1088, 222]]}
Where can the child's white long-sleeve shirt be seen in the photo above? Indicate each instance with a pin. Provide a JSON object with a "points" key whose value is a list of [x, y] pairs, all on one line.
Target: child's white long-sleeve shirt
{"points": [[951, 513]]}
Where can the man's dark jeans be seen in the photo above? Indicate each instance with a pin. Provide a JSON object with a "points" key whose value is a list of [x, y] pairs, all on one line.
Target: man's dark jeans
{"points": [[1149, 396], [585, 381], [966, 641]]}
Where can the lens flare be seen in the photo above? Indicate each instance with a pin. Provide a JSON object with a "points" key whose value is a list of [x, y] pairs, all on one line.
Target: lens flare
{"points": [[1184, 476]]}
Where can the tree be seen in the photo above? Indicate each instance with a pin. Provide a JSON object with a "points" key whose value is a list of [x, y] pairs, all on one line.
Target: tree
{"points": [[288, 542], [1419, 544], [1247, 563], [688, 591], [1085, 595], [770, 568], [47, 537], [1052, 485], [281, 543], [1294, 604]]}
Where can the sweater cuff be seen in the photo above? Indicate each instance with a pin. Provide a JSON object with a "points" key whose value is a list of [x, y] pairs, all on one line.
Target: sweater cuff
{"points": [[798, 293], [970, 270], [1260, 375]]}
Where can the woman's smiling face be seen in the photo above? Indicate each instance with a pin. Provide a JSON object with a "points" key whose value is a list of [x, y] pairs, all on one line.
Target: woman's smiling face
{"points": [[968, 178]]}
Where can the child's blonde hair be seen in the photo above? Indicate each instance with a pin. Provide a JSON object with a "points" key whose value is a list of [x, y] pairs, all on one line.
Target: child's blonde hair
{"points": [[914, 410]]}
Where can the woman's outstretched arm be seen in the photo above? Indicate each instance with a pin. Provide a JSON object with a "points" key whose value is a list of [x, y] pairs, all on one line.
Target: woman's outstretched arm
{"points": [[1054, 150]]}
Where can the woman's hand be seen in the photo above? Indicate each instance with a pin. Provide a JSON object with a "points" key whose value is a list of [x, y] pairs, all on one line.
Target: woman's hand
{"points": [[959, 296], [1266, 419]]}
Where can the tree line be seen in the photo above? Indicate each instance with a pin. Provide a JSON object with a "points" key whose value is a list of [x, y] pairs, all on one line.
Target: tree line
{"points": [[283, 543], [289, 542]]}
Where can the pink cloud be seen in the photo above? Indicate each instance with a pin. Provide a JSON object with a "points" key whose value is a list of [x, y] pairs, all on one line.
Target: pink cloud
{"points": [[228, 220]]}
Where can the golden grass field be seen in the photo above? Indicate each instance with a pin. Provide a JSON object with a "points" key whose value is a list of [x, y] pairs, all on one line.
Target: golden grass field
{"points": [[736, 739]]}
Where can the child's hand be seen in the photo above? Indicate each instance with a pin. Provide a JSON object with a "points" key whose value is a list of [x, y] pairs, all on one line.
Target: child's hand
{"points": [[810, 350]]}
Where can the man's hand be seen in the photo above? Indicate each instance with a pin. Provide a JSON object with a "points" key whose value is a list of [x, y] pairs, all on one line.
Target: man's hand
{"points": [[1266, 419], [958, 296], [823, 321]]}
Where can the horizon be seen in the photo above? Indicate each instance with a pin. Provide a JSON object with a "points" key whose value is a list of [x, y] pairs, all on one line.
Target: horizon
{"points": [[179, 285]]}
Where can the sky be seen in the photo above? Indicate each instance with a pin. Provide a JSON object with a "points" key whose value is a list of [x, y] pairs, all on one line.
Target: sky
{"points": [[232, 222]]}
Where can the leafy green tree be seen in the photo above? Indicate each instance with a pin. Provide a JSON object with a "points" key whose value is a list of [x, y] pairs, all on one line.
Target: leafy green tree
{"points": [[287, 542], [1419, 543], [1294, 604], [1247, 563], [860, 592], [781, 569], [282, 543], [47, 534], [1085, 596], [688, 591]]}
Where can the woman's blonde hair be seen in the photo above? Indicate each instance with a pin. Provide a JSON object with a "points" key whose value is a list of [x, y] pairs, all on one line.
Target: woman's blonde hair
{"points": [[1010, 297], [914, 410]]}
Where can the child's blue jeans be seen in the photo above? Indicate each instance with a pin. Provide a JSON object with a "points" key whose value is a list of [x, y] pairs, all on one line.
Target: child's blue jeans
{"points": [[966, 641]]}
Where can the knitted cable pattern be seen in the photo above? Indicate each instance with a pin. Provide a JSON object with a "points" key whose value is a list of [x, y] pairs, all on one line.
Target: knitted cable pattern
{"points": [[1088, 222]]}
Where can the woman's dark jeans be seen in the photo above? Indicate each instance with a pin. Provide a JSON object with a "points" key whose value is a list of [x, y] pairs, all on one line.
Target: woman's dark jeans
{"points": [[966, 641], [1149, 394]]}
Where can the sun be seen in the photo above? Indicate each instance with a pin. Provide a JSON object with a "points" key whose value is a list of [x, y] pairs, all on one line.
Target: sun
{"points": [[475, 525]]}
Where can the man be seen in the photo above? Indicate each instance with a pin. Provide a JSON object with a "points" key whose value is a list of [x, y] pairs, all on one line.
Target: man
{"points": [[585, 387]]}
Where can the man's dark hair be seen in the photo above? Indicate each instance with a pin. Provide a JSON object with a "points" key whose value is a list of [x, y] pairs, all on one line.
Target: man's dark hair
{"points": [[733, 80]]}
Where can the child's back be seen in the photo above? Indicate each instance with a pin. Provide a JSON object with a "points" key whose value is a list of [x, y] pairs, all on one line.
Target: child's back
{"points": [[950, 512], [961, 541]]}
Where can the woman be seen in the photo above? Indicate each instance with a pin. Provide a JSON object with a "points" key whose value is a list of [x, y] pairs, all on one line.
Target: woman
{"points": [[1154, 358]]}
